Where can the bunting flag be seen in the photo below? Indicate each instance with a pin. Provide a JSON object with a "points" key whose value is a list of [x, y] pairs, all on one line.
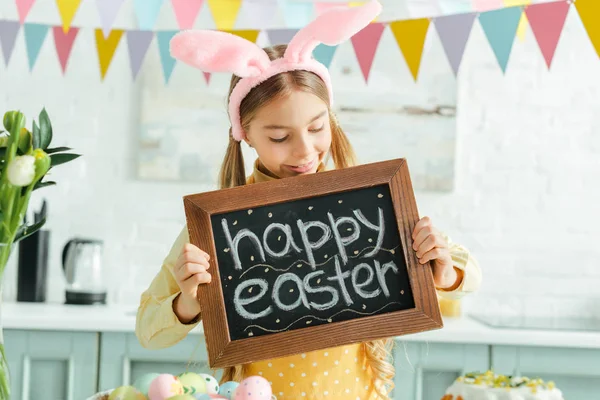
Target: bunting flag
{"points": [[138, 43], [260, 12], [23, 8], [410, 36], [35, 34], [107, 12], [547, 21], [67, 10], [186, 12], [64, 44], [8, 36], [454, 32], [365, 45], [500, 27], [281, 36], [296, 14], [106, 48], [486, 5], [147, 12], [522, 29], [589, 10], [168, 62], [324, 54], [224, 12]]}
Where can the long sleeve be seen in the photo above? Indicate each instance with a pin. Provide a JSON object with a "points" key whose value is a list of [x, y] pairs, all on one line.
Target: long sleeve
{"points": [[464, 261], [157, 326]]}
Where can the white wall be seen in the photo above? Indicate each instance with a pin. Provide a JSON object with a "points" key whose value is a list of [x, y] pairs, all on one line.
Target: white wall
{"points": [[527, 165]]}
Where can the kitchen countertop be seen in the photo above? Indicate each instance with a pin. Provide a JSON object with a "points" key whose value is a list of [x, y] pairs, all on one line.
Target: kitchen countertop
{"points": [[121, 318]]}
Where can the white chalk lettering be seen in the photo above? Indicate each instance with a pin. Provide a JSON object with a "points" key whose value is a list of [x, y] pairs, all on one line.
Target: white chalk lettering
{"points": [[234, 243], [342, 242], [310, 246], [309, 289], [289, 240], [380, 229], [281, 279], [380, 272], [239, 303], [358, 286], [340, 276]]}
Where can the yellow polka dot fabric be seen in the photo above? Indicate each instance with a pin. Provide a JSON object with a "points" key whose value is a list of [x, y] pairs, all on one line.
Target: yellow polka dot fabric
{"points": [[337, 373]]}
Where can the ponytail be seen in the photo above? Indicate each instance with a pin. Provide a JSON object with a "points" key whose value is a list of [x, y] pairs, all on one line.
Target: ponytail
{"points": [[342, 153], [233, 171]]}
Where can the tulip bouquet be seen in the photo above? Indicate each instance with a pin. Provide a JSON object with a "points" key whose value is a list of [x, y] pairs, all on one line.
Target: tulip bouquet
{"points": [[25, 159]]}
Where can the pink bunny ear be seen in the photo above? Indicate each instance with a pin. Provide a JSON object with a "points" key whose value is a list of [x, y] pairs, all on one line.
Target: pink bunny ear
{"points": [[214, 51], [332, 27]]}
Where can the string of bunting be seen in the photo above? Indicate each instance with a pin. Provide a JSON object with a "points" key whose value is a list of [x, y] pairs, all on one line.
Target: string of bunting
{"points": [[501, 21]]}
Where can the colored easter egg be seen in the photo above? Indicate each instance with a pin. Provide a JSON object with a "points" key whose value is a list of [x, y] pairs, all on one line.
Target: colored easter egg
{"points": [[212, 385], [126, 393], [206, 396], [143, 382], [182, 397], [164, 386], [228, 388], [192, 383], [253, 388]]}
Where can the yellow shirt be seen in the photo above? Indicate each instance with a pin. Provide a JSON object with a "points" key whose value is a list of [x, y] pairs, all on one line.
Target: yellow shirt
{"points": [[337, 373]]}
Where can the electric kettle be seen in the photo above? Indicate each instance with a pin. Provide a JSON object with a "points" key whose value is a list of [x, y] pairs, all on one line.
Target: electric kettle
{"points": [[82, 265]]}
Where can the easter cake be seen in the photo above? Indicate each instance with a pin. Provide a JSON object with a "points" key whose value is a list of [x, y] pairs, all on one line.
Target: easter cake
{"points": [[491, 386]]}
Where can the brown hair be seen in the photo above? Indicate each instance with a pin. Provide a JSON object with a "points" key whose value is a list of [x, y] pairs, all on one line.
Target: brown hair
{"points": [[378, 353]]}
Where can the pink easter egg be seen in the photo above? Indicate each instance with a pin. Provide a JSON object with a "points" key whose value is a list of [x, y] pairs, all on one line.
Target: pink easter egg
{"points": [[164, 386], [253, 388]]}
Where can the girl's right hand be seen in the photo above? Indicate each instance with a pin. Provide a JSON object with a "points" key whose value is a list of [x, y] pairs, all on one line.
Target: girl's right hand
{"points": [[190, 270]]}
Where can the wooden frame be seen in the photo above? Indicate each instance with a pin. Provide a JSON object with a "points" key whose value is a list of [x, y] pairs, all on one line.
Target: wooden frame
{"points": [[222, 352]]}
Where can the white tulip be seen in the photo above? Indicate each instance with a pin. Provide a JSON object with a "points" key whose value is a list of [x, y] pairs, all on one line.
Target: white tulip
{"points": [[21, 170]]}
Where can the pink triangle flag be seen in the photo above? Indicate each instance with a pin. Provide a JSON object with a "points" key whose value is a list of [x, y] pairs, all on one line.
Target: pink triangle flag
{"points": [[365, 45], [547, 21], [186, 12], [64, 44], [23, 8]]}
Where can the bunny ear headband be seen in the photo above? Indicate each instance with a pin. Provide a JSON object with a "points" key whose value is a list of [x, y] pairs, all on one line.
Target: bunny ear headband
{"points": [[215, 51]]}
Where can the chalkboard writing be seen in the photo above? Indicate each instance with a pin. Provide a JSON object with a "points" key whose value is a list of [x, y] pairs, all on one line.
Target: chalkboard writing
{"points": [[310, 262]]}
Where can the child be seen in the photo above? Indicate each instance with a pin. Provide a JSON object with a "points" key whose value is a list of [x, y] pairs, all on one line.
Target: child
{"points": [[279, 104]]}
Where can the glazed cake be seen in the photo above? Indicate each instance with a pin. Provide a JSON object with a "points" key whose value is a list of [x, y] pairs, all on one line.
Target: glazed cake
{"points": [[490, 386]]}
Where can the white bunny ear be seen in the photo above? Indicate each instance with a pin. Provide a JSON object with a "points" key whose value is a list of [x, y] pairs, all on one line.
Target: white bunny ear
{"points": [[332, 27], [215, 51]]}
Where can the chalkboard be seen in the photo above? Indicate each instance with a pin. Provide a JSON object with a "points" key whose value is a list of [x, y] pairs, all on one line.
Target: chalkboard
{"points": [[310, 262]]}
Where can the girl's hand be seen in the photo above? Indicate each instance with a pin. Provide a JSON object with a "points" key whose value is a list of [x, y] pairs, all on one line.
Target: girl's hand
{"points": [[189, 271], [430, 245]]}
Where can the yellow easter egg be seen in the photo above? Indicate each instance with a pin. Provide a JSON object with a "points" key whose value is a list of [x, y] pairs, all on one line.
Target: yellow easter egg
{"points": [[126, 393], [182, 397], [192, 383]]}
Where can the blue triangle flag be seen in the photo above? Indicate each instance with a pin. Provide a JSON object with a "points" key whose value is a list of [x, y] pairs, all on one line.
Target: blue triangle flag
{"points": [[324, 54], [168, 62], [147, 12], [500, 27], [35, 34], [296, 14]]}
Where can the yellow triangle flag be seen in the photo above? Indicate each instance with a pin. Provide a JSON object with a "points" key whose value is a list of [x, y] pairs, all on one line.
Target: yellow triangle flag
{"points": [[67, 10], [410, 35], [588, 12], [224, 12], [248, 34], [522, 28], [106, 48]]}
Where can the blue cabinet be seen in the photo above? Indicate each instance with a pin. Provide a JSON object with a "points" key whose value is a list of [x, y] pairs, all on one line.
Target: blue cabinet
{"points": [[425, 370], [52, 365], [575, 371]]}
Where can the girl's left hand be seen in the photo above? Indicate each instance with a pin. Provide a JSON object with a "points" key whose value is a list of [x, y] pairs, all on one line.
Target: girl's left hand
{"points": [[430, 245]]}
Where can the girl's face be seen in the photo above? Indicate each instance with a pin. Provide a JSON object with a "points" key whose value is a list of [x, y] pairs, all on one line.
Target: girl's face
{"points": [[291, 135]]}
